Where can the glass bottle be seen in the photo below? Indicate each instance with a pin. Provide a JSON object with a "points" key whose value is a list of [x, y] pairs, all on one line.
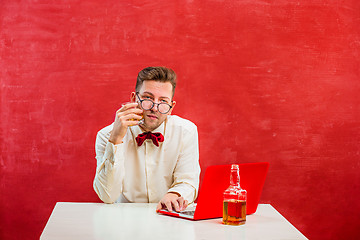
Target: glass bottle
{"points": [[234, 205]]}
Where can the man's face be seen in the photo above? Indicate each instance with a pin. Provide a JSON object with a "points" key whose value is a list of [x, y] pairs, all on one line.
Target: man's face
{"points": [[158, 92]]}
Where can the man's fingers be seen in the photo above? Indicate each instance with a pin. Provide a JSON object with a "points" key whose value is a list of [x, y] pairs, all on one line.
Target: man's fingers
{"points": [[136, 111], [127, 115], [180, 200], [175, 203], [159, 206], [168, 206], [186, 203], [130, 119], [172, 201], [132, 116], [128, 106]]}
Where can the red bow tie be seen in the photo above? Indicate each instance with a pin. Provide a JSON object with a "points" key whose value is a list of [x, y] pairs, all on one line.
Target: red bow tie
{"points": [[155, 137]]}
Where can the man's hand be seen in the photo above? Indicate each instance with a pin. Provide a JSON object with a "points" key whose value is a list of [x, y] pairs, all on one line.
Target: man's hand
{"points": [[172, 201], [127, 115]]}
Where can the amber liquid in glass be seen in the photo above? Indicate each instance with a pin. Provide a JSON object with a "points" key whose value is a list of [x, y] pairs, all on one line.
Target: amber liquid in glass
{"points": [[141, 121], [234, 212]]}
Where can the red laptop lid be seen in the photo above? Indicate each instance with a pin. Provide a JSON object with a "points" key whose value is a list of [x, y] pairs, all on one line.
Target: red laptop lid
{"points": [[217, 180]]}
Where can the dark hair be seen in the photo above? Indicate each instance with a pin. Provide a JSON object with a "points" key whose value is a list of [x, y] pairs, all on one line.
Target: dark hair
{"points": [[161, 74]]}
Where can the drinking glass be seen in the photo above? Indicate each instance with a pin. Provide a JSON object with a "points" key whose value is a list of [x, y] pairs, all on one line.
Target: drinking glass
{"points": [[141, 121]]}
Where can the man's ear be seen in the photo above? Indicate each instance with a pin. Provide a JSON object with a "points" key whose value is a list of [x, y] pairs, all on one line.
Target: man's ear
{"points": [[133, 97], [173, 105]]}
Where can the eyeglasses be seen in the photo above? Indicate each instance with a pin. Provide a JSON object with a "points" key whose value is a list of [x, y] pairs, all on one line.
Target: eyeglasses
{"points": [[148, 104]]}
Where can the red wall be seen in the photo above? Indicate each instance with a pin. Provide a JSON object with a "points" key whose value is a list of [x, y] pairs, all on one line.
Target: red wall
{"points": [[274, 81]]}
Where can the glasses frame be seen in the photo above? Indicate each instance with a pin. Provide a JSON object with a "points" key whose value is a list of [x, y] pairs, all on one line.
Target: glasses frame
{"points": [[153, 104]]}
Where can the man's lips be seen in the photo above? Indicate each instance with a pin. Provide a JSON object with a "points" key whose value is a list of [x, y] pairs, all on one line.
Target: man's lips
{"points": [[151, 116]]}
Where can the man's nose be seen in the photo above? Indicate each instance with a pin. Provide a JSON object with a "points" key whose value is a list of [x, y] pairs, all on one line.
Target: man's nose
{"points": [[155, 108]]}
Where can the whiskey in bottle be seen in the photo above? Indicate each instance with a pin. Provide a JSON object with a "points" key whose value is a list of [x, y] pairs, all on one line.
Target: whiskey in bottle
{"points": [[234, 205]]}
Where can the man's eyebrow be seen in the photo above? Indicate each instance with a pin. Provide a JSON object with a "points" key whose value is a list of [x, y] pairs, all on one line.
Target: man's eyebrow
{"points": [[149, 93]]}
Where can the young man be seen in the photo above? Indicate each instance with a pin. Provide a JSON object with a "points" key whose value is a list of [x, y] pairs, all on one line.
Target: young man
{"points": [[152, 160]]}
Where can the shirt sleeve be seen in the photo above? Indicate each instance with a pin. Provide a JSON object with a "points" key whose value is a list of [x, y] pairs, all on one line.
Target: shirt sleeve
{"points": [[110, 169], [187, 169]]}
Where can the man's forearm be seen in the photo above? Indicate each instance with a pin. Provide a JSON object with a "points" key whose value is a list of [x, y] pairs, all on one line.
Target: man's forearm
{"points": [[109, 177]]}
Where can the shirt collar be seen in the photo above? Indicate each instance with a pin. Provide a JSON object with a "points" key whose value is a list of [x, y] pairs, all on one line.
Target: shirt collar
{"points": [[136, 130]]}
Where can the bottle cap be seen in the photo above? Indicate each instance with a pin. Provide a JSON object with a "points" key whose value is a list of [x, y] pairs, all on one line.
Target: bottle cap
{"points": [[234, 167]]}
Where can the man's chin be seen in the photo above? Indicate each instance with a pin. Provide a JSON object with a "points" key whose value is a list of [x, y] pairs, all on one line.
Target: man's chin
{"points": [[150, 125]]}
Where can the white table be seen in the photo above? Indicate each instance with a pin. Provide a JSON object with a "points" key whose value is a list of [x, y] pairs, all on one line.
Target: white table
{"points": [[140, 221]]}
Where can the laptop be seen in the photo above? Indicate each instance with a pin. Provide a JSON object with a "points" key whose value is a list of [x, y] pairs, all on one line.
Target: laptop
{"points": [[216, 181]]}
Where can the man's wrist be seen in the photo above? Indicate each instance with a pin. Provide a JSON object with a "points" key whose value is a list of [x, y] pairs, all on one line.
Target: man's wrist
{"points": [[176, 193], [116, 139], [115, 142]]}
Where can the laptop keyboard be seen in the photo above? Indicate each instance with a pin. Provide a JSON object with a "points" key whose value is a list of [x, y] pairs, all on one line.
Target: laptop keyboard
{"points": [[190, 213]]}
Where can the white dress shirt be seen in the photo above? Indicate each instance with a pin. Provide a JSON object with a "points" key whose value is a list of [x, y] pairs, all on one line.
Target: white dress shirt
{"points": [[127, 172]]}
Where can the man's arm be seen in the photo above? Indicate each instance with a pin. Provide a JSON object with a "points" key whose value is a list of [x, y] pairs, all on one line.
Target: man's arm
{"points": [[110, 169], [186, 174], [109, 176]]}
